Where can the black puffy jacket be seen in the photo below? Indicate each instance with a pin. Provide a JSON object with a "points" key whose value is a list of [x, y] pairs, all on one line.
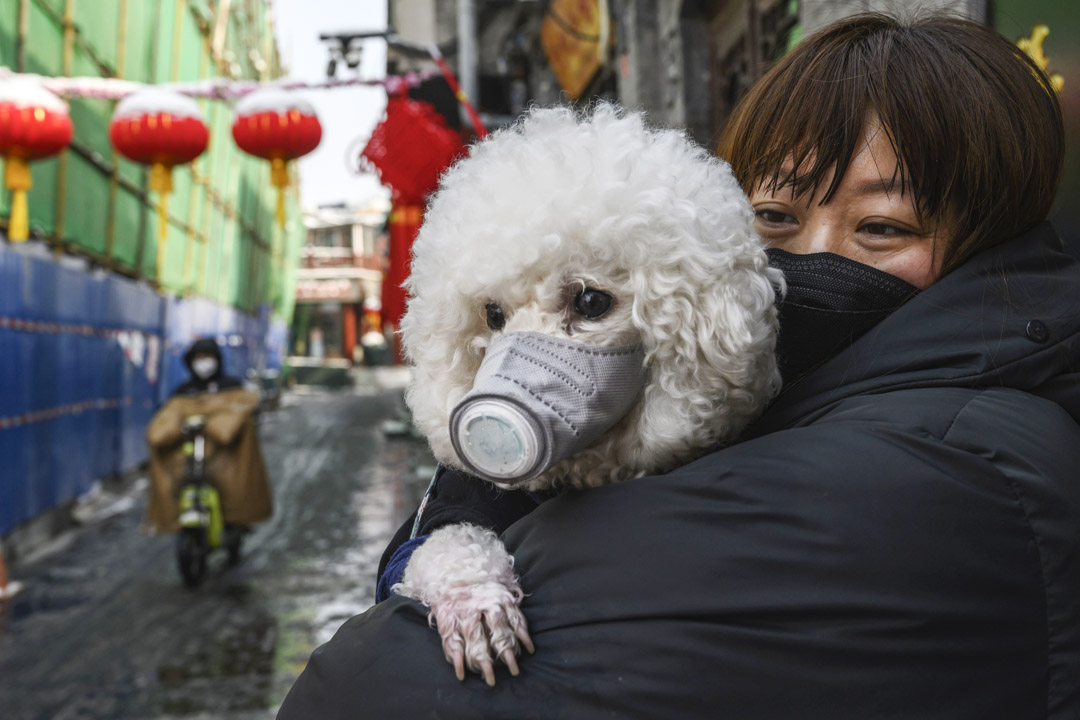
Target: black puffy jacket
{"points": [[897, 537]]}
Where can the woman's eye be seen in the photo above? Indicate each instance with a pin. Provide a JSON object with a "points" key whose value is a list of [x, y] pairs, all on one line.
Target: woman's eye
{"points": [[592, 303], [495, 317], [774, 217], [882, 229]]}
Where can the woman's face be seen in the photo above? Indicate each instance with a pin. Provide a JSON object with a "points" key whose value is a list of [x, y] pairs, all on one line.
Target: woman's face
{"points": [[866, 220]]}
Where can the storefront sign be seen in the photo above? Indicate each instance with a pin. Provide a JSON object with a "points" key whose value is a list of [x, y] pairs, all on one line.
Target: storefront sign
{"points": [[339, 289]]}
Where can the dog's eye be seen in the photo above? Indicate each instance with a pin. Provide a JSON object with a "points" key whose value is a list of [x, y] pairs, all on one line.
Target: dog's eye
{"points": [[495, 317], [592, 303]]}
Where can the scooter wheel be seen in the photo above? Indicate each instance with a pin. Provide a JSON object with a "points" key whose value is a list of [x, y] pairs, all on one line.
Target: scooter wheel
{"points": [[191, 550], [234, 539]]}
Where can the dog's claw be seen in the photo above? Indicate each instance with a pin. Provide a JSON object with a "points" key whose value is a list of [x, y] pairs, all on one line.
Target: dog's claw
{"points": [[459, 663], [489, 672], [477, 614], [511, 662], [523, 636]]}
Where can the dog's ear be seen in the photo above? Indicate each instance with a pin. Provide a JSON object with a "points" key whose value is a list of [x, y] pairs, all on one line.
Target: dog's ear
{"points": [[436, 331], [708, 324]]}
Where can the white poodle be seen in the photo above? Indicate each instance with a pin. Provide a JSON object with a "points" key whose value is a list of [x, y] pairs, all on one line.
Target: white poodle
{"points": [[562, 241]]}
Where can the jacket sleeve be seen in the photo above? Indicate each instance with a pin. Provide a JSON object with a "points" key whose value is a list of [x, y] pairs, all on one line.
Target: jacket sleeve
{"points": [[454, 498], [1043, 447], [850, 572]]}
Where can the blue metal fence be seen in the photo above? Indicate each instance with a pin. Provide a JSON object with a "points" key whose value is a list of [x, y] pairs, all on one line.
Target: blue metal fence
{"points": [[86, 357]]}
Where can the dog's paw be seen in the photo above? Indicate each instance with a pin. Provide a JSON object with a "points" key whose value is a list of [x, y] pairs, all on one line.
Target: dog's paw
{"points": [[481, 625], [466, 578]]}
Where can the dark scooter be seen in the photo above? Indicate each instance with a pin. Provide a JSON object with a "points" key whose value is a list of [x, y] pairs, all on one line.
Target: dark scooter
{"points": [[202, 526]]}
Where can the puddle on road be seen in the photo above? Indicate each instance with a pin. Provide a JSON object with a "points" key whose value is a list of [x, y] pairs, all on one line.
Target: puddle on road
{"points": [[230, 671], [345, 581]]}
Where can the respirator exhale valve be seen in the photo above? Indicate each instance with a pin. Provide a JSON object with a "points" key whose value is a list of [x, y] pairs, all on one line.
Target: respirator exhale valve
{"points": [[536, 400], [497, 441]]}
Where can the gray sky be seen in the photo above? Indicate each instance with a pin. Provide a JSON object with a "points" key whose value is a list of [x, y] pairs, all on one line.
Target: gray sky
{"points": [[347, 115]]}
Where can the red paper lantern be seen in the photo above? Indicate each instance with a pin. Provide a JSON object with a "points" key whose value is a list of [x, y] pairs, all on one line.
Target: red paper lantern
{"points": [[162, 129], [34, 124], [278, 126], [411, 148]]}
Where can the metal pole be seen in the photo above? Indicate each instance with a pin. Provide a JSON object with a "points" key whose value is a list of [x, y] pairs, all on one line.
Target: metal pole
{"points": [[121, 61], [229, 238], [21, 36], [753, 39], [140, 251], [23, 33], [206, 181], [466, 27], [221, 31], [187, 286], [66, 64]]}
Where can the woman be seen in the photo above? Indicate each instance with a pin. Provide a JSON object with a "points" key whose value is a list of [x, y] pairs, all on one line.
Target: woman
{"points": [[898, 535]]}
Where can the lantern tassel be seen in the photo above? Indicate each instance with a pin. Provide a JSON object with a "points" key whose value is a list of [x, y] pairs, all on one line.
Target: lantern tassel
{"points": [[163, 220], [18, 181], [161, 183], [279, 178]]}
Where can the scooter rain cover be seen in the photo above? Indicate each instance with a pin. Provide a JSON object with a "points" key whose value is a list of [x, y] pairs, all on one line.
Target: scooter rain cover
{"points": [[233, 458]]}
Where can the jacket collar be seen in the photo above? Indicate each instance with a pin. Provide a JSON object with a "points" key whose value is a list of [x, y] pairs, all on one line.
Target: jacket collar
{"points": [[1010, 316]]}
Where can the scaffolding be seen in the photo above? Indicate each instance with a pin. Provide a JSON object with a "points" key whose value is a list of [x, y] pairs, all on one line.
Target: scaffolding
{"points": [[223, 243]]}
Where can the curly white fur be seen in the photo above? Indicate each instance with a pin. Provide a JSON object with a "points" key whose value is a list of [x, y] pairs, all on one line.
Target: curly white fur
{"points": [[464, 574], [557, 202], [536, 213]]}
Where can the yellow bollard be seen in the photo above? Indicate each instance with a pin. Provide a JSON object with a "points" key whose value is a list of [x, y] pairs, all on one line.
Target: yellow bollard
{"points": [[7, 589]]}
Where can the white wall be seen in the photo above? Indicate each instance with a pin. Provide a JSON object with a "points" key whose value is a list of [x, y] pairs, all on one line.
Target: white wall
{"points": [[415, 20]]}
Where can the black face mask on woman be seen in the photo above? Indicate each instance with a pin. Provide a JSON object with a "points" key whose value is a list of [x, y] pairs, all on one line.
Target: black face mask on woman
{"points": [[831, 302]]}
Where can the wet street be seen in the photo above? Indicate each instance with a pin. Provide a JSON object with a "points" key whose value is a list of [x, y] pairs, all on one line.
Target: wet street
{"points": [[106, 629]]}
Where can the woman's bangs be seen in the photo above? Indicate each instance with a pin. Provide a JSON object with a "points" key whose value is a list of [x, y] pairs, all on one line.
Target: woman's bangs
{"points": [[778, 145]]}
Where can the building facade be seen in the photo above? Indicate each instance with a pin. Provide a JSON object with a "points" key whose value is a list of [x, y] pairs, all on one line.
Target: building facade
{"points": [[688, 62], [91, 334], [339, 284]]}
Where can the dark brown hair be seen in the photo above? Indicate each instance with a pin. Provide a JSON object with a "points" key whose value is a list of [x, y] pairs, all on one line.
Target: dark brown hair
{"points": [[975, 125]]}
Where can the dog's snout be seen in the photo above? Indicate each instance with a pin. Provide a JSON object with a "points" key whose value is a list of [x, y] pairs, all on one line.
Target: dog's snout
{"points": [[537, 400]]}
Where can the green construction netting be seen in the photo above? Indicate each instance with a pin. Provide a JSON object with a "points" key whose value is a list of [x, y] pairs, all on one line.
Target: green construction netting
{"points": [[222, 241]]}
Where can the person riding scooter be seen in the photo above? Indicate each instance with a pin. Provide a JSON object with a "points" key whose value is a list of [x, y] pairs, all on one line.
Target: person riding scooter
{"points": [[203, 361], [208, 479]]}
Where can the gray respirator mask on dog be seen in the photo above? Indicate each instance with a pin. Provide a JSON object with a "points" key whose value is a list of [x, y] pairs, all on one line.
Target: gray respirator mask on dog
{"points": [[536, 400]]}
